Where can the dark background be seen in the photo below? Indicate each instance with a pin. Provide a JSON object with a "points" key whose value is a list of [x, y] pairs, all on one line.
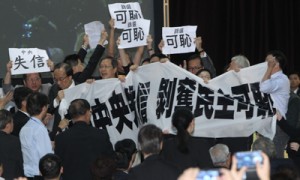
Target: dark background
{"points": [[249, 27]]}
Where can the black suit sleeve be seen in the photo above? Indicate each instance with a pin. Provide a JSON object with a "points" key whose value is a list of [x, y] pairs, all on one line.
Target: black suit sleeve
{"points": [[19, 169], [90, 68], [82, 53], [291, 131], [108, 150], [208, 64], [52, 95]]}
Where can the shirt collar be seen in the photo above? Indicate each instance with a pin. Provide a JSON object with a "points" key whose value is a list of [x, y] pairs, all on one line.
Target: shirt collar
{"points": [[24, 113], [72, 84], [278, 73]]}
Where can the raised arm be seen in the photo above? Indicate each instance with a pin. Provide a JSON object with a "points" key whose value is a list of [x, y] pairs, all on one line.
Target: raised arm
{"points": [[206, 60], [149, 45], [83, 50], [111, 39], [94, 60], [7, 79], [125, 60], [138, 55]]}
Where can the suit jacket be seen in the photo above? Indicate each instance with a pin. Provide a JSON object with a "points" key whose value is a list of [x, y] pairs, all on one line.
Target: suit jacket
{"points": [[198, 155], [78, 147], [20, 119], [292, 123], [154, 167], [120, 175], [81, 77], [11, 156], [78, 78], [298, 92]]}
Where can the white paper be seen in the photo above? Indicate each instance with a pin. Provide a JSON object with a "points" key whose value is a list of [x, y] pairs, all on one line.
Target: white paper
{"points": [[124, 13], [135, 34], [179, 39], [93, 30], [28, 60]]}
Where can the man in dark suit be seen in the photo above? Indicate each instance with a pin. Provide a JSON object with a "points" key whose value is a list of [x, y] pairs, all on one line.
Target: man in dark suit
{"points": [[80, 145], [21, 116], [63, 80], [295, 82], [150, 139], [50, 167], [291, 126], [10, 151]]}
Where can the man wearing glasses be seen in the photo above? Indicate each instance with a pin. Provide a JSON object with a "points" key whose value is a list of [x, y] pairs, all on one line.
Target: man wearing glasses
{"points": [[63, 80], [200, 60]]}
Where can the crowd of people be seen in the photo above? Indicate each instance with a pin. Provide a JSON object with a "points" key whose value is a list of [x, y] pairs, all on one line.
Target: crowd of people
{"points": [[39, 141]]}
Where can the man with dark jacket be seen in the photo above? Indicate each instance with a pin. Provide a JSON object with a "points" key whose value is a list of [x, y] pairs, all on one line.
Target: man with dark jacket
{"points": [[80, 145], [10, 151], [153, 167]]}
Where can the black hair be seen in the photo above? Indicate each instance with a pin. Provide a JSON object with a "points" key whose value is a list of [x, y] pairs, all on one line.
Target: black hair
{"points": [[25, 76], [181, 120], [35, 103], [296, 73], [159, 55], [195, 56], [72, 59], [280, 58], [150, 137], [50, 166], [20, 94], [68, 69], [103, 168], [78, 107], [201, 70], [113, 61], [5, 118], [124, 150], [145, 60]]}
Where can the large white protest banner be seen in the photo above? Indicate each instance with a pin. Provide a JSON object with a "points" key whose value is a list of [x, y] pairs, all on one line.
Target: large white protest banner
{"points": [[110, 107], [93, 30], [135, 34], [179, 39], [124, 13], [233, 106], [28, 60]]}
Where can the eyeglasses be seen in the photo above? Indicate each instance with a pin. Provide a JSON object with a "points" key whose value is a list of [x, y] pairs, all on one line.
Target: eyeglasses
{"points": [[105, 67], [60, 79], [194, 68]]}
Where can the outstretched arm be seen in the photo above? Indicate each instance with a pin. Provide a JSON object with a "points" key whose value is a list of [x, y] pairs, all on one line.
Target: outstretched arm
{"points": [[111, 39]]}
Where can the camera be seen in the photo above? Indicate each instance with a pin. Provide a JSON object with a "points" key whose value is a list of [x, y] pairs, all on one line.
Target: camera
{"points": [[248, 159], [211, 174]]}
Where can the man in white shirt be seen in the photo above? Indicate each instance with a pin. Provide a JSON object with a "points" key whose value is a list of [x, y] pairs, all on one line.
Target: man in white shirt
{"points": [[34, 137], [277, 84]]}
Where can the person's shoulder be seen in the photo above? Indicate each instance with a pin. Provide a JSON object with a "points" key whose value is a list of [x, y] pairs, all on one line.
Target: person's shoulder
{"points": [[9, 137]]}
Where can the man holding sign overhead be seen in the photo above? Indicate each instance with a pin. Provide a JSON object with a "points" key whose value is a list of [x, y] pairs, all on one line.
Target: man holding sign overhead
{"points": [[29, 62]]}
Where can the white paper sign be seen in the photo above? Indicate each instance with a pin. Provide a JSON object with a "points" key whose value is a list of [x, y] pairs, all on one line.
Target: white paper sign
{"points": [[135, 34], [28, 60], [93, 30], [179, 39], [124, 13]]}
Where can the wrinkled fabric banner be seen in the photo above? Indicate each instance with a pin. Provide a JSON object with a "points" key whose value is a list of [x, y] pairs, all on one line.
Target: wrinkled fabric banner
{"points": [[230, 105]]}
